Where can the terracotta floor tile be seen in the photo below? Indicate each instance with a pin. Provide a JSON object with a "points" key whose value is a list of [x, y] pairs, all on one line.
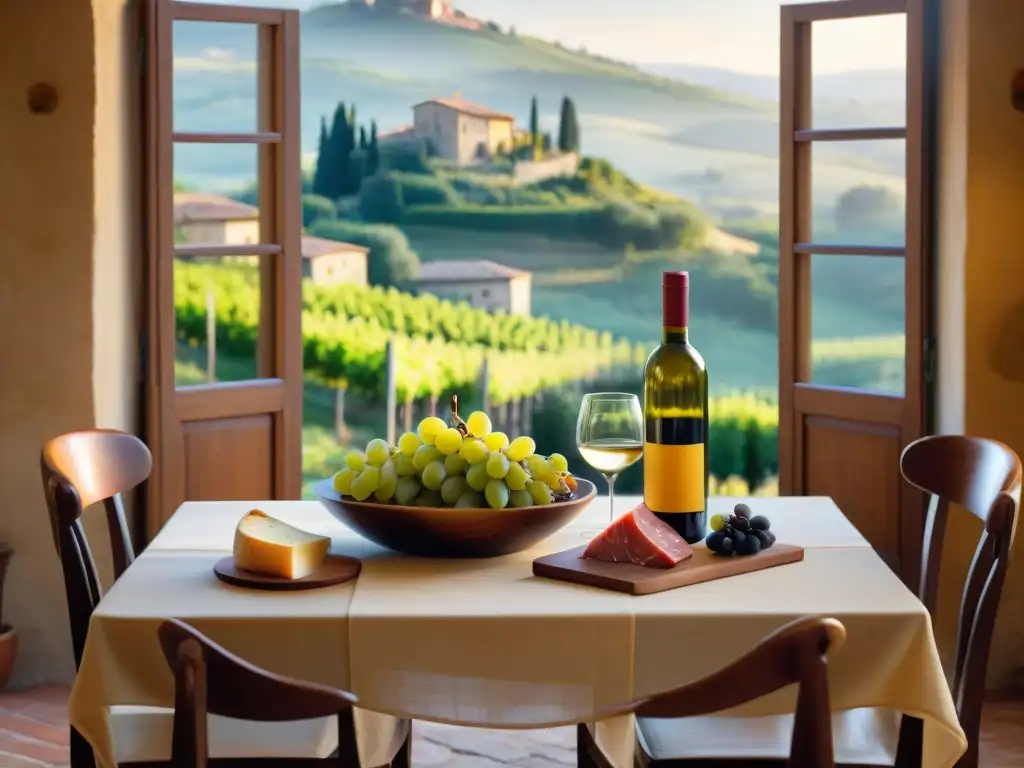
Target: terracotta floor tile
{"points": [[7, 760], [33, 734], [49, 754], [37, 729], [45, 711], [54, 695]]}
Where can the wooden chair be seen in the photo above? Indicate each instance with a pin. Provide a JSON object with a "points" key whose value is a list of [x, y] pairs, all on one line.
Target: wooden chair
{"points": [[794, 654], [208, 680], [983, 477], [80, 469]]}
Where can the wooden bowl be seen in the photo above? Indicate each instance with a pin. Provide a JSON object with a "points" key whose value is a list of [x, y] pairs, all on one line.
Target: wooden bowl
{"points": [[442, 532]]}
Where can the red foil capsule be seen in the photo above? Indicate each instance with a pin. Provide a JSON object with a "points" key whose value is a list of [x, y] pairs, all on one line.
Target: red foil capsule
{"points": [[675, 299]]}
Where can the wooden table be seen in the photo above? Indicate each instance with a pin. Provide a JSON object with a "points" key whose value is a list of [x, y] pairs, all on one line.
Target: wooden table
{"points": [[485, 643]]}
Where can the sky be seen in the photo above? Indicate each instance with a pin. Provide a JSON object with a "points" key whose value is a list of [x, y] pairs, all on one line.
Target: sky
{"points": [[742, 35]]}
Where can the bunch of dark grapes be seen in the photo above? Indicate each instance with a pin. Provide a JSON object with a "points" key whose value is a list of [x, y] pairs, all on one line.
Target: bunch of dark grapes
{"points": [[739, 533]]}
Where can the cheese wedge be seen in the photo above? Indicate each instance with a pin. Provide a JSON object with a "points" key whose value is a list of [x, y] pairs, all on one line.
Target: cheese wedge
{"points": [[271, 547]]}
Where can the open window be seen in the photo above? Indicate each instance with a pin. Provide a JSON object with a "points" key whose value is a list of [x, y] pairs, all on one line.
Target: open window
{"points": [[223, 434], [834, 440]]}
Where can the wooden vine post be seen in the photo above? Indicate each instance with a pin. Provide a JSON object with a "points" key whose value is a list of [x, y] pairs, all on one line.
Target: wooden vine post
{"points": [[391, 396], [211, 336]]}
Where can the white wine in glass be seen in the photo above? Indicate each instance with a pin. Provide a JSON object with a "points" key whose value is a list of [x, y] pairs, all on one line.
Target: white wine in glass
{"points": [[611, 455], [609, 435]]}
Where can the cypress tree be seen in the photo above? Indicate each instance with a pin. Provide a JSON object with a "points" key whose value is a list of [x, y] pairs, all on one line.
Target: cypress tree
{"points": [[572, 126], [373, 151], [352, 128], [534, 124], [564, 129], [352, 176], [338, 154], [363, 142], [321, 174]]}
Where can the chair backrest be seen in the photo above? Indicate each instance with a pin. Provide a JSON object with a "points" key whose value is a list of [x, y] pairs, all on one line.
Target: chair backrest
{"points": [[209, 679], [983, 477], [80, 469], [796, 653]]}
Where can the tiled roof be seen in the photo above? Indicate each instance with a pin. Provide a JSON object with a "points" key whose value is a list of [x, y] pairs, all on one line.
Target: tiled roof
{"points": [[191, 206], [443, 271], [319, 246], [467, 108], [398, 134]]}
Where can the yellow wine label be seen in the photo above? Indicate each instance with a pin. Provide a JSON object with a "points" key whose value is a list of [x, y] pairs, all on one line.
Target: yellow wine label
{"points": [[674, 477]]}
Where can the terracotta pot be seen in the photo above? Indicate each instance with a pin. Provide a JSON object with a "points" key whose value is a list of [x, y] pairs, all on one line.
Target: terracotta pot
{"points": [[8, 652]]}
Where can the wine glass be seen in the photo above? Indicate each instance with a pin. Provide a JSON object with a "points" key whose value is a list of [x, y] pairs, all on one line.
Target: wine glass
{"points": [[610, 435]]}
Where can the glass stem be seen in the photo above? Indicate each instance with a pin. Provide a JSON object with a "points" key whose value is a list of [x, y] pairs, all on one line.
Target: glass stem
{"points": [[611, 497]]}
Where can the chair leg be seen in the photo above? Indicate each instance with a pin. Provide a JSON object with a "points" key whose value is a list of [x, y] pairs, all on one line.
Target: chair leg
{"points": [[583, 759], [403, 759], [910, 747], [588, 754], [81, 752]]}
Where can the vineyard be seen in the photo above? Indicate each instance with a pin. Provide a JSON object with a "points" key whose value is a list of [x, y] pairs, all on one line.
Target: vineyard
{"points": [[440, 346]]}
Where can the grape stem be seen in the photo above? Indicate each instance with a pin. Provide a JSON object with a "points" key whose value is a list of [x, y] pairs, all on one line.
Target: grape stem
{"points": [[456, 419]]}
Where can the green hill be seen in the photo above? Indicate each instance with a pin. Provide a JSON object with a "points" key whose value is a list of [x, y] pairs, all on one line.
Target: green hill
{"points": [[404, 50], [713, 147], [385, 62], [399, 42]]}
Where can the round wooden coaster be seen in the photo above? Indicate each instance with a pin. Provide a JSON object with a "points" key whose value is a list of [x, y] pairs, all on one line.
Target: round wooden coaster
{"points": [[337, 569]]}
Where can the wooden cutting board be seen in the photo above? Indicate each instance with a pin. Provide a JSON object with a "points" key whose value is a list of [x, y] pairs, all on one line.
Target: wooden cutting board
{"points": [[638, 580]]}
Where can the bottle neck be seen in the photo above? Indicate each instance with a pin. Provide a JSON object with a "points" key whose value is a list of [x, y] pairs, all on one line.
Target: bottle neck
{"points": [[675, 312], [674, 335]]}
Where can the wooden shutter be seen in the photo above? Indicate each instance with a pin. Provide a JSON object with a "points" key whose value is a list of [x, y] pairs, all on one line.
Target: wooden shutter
{"points": [[238, 439], [837, 441]]}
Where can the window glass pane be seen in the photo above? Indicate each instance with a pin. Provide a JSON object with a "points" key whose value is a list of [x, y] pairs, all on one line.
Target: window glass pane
{"points": [[215, 76], [224, 170], [219, 298], [216, 297], [858, 322], [860, 72], [858, 192]]}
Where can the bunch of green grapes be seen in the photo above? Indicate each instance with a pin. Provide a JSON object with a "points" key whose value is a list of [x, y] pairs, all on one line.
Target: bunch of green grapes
{"points": [[468, 466]]}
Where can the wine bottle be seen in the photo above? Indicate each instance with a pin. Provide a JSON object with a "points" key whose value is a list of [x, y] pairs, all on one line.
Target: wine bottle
{"points": [[676, 419]]}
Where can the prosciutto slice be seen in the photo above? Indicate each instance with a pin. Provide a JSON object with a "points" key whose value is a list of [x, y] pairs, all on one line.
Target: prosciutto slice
{"points": [[641, 538]]}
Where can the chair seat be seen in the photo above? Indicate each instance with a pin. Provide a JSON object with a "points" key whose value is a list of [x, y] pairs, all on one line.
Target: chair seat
{"points": [[860, 737], [144, 734]]}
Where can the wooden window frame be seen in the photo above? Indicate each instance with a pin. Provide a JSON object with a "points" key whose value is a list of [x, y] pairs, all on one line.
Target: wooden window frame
{"points": [[799, 398], [278, 390]]}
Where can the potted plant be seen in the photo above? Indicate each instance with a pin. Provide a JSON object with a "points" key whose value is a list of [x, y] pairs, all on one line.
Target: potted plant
{"points": [[8, 637]]}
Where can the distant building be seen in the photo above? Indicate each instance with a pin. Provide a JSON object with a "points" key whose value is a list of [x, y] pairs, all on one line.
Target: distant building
{"points": [[434, 9], [404, 138], [215, 220], [328, 262], [459, 130], [483, 284]]}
